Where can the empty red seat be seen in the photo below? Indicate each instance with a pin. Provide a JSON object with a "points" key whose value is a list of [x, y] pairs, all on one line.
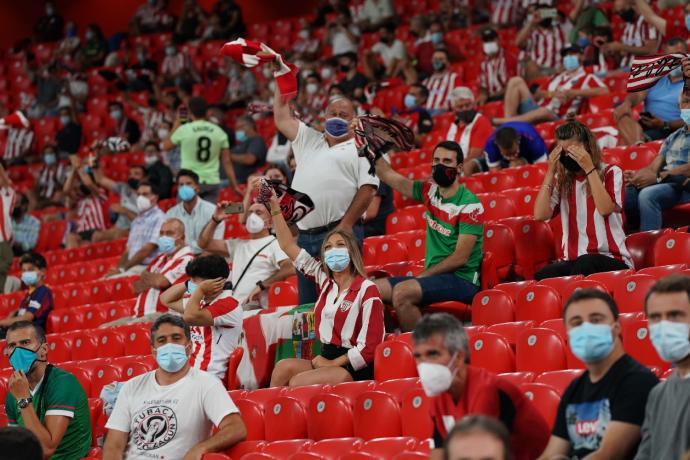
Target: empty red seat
{"points": [[376, 415], [329, 416], [398, 388], [558, 380], [492, 306], [545, 399], [538, 303], [510, 331], [518, 378], [253, 418], [499, 240], [282, 294], [137, 339], [610, 279], [636, 157], [523, 199], [641, 247], [388, 447], [111, 343], [415, 415], [631, 292], [101, 374], [559, 283], [390, 250], [332, 449], [581, 284], [540, 350], [662, 271], [393, 360], [534, 245], [350, 391], [496, 206], [492, 352], [59, 347], [514, 288], [400, 221], [287, 447], [497, 181], [85, 346]]}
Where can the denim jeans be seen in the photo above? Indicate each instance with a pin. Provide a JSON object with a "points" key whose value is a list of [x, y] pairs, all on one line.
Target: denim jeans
{"points": [[312, 244], [645, 206]]}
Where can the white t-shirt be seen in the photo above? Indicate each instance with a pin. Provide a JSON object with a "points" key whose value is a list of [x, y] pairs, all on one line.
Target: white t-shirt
{"points": [[164, 422], [330, 176], [341, 42], [395, 51], [265, 264]]}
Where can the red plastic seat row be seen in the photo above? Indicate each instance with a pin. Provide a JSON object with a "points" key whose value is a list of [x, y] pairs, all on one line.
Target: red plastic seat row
{"points": [[88, 316]]}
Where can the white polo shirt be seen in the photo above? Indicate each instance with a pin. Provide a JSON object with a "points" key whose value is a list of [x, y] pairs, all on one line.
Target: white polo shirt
{"points": [[330, 176]]}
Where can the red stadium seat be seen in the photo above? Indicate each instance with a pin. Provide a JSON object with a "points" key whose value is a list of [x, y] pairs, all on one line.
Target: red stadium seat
{"points": [[530, 175], [540, 350], [510, 331], [282, 294], [329, 416], [641, 247], [390, 250], [492, 306], [560, 283], [663, 271], [538, 303], [534, 245], [408, 455], [518, 378], [496, 207], [285, 448], [332, 449], [631, 292], [500, 241], [415, 415], [558, 380], [101, 374], [387, 448], [492, 352], [499, 180], [253, 418], [545, 398], [81, 374], [245, 447], [637, 344], [350, 391], [514, 288], [130, 366], [233, 364], [415, 242], [94, 316], [610, 279], [523, 198], [59, 347], [398, 388], [581, 284], [85, 346], [672, 248], [400, 221], [636, 157], [111, 343], [393, 360], [376, 415], [137, 339]]}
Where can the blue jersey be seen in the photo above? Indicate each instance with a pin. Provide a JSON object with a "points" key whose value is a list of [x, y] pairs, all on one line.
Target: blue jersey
{"points": [[532, 147]]}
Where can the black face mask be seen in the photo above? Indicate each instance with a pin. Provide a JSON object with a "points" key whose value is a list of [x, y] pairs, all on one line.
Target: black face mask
{"points": [[344, 67], [133, 183], [627, 15], [569, 164], [17, 213], [546, 23], [443, 175], [465, 116], [84, 190]]}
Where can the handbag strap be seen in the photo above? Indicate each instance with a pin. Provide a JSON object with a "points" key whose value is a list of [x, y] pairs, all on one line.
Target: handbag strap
{"points": [[246, 267]]}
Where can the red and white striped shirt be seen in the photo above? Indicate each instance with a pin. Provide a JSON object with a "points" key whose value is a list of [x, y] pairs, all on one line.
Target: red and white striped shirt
{"points": [[51, 179], [19, 142], [175, 65], [214, 344], [352, 319], [172, 267], [90, 213], [544, 45], [472, 135], [496, 71], [585, 231], [439, 87], [504, 11], [635, 34], [578, 79], [7, 198]]}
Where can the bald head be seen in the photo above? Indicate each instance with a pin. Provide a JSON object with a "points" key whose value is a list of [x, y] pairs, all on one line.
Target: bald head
{"points": [[174, 228]]}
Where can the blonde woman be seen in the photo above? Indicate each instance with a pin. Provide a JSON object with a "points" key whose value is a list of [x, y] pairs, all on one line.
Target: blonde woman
{"points": [[348, 311], [588, 196]]}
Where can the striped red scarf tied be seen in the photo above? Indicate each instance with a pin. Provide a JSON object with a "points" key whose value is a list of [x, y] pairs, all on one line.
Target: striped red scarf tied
{"points": [[647, 70], [375, 135], [251, 53]]}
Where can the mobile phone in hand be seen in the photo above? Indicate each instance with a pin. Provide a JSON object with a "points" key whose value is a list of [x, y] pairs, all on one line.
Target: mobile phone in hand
{"points": [[183, 114], [234, 208]]}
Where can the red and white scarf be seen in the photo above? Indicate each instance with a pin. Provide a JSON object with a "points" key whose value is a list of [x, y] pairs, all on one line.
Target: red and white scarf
{"points": [[252, 53], [647, 70], [375, 135]]}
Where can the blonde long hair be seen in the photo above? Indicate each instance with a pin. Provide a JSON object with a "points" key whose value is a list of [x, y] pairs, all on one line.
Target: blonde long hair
{"points": [[576, 131], [356, 261]]}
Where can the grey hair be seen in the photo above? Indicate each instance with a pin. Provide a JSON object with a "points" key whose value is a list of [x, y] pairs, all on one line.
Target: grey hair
{"points": [[454, 335], [175, 320], [480, 424]]}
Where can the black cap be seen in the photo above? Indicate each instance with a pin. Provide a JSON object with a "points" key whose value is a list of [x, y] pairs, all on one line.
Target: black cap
{"points": [[570, 49], [489, 35]]}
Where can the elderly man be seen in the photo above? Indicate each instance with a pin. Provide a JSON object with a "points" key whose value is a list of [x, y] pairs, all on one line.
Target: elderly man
{"points": [[330, 172], [442, 352], [257, 262], [663, 183], [470, 130]]}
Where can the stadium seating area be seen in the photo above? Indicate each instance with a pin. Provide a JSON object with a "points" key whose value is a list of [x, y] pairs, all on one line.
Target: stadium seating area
{"points": [[515, 327]]}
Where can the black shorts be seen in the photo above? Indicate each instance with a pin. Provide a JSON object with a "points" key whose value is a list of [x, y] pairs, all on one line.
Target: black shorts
{"points": [[86, 234], [329, 351]]}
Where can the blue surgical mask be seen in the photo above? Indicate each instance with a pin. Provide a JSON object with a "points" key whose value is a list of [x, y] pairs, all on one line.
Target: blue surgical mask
{"points": [[191, 287], [49, 159], [22, 359], [337, 127], [583, 42], [685, 115], [171, 357], [337, 259], [65, 119], [591, 342], [166, 244], [687, 21], [671, 340], [240, 135], [436, 38], [116, 114], [186, 193], [571, 62], [30, 278], [410, 101]]}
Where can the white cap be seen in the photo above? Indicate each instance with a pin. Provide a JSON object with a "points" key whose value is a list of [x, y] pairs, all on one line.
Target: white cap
{"points": [[461, 92]]}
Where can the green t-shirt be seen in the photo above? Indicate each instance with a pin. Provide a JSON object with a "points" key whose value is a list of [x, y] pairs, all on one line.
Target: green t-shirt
{"points": [[200, 145], [446, 220], [62, 395]]}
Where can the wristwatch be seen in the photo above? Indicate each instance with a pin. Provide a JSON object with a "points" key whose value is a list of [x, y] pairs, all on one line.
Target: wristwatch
{"points": [[24, 402]]}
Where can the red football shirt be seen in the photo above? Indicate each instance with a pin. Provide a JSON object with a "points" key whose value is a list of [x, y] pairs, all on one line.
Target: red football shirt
{"points": [[490, 395]]}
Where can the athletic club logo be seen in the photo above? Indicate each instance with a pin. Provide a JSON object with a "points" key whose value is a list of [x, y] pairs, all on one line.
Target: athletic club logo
{"points": [[155, 427]]}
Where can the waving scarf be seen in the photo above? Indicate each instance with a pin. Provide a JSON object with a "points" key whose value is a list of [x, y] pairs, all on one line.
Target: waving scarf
{"points": [[647, 70], [251, 53], [375, 135], [294, 205]]}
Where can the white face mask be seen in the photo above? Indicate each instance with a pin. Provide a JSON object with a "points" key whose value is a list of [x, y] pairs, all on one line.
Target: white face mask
{"points": [[670, 339], [436, 378], [150, 159], [326, 73], [143, 203], [163, 133], [490, 48], [312, 88], [254, 224], [303, 34]]}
